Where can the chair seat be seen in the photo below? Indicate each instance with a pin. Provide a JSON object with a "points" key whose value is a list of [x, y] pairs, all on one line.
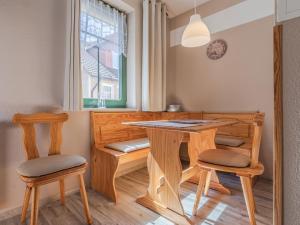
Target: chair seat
{"points": [[50, 164], [130, 146], [225, 158]]}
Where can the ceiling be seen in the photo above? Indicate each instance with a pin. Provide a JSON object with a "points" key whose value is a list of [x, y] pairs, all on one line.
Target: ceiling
{"points": [[177, 7]]}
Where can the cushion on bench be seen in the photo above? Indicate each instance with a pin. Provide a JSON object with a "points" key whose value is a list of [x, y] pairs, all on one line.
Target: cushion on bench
{"points": [[50, 164], [229, 141], [225, 158], [130, 146]]}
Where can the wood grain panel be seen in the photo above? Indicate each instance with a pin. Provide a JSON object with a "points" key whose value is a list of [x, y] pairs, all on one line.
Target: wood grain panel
{"points": [[249, 199], [108, 127], [40, 118], [174, 115], [131, 166], [278, 126], [30, 141], [160, 168], [238, 130], [56, 138], [103, 174]]}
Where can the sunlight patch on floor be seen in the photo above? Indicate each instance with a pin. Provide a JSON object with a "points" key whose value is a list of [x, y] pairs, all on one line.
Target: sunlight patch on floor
{"points": [[188, 202], [160, 221], [217, 212], [206, 222]]}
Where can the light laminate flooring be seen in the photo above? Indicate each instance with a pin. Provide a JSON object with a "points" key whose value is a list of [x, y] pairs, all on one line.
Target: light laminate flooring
{"points": [[216, 209]]}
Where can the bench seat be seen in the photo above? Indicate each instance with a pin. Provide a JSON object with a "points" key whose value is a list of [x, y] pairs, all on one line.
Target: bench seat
{"points": [[235, 144], [229, 141], [244, 148], [129, 146]]}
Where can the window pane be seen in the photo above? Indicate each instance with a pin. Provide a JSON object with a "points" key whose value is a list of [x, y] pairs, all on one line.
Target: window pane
{"points": [[101, 40]]}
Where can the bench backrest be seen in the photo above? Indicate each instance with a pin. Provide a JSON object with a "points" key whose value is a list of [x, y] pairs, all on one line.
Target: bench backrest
{"points": [[244, 129], [108, 127]]}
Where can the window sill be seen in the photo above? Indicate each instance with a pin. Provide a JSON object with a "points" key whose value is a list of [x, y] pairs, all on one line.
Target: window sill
{"points": [[111, 109]]}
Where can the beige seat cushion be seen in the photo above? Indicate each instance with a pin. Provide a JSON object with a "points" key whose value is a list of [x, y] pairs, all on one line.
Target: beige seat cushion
{"points": [[229, 141], [129, 146], [50, 164], [224, 158]]}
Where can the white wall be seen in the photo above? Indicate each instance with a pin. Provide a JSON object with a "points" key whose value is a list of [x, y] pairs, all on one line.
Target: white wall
{"points": [[32, 49]]}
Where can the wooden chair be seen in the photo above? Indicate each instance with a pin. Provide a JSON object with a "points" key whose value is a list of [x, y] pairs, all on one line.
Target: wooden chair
{"points": [[38, 171], [233, 162]]}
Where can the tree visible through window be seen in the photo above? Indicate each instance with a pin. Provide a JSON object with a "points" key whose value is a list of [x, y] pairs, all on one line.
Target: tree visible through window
{"points": [[103, 41]]}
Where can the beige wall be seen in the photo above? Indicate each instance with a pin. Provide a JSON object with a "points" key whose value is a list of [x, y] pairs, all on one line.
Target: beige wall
{"points": [[32, 49], [291, 121], [241, 81], [32, 57]]}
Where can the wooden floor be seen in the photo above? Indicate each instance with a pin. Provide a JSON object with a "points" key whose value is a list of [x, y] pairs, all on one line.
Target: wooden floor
{"points": [[216, 209]]}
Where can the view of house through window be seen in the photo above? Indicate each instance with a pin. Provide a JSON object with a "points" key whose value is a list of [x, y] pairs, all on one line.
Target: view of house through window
{"points": [[103, 42]]}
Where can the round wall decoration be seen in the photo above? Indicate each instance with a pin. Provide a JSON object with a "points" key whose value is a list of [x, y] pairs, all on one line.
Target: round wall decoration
{"points": [[216, 49]]}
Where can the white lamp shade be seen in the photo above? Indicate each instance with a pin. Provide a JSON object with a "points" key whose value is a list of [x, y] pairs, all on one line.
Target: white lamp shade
{"points": [[196, 33]]}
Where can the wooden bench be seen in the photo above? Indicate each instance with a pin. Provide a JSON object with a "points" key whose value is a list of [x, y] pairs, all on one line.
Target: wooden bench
{"points": [[108, 164]]}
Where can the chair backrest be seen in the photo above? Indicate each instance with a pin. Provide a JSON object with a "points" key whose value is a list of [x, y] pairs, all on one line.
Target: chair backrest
{"points": [[27, 122], [258, 127]]}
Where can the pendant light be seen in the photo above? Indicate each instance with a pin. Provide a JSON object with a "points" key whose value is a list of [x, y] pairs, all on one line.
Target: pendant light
{"points": [[196, 33]]}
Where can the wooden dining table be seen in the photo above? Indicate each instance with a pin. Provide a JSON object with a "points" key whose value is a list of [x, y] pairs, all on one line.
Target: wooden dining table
{"points": [[166, 172]]}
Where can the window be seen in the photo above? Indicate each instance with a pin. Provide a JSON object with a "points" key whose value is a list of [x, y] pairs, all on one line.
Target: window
{"points": [[103, 41], [107, 92]]}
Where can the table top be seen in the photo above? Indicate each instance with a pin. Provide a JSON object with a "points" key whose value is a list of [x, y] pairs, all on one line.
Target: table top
{"points": [[183, 125]]}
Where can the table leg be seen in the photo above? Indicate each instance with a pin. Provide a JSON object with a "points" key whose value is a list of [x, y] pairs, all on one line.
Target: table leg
{"points": [[165, 173]]}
